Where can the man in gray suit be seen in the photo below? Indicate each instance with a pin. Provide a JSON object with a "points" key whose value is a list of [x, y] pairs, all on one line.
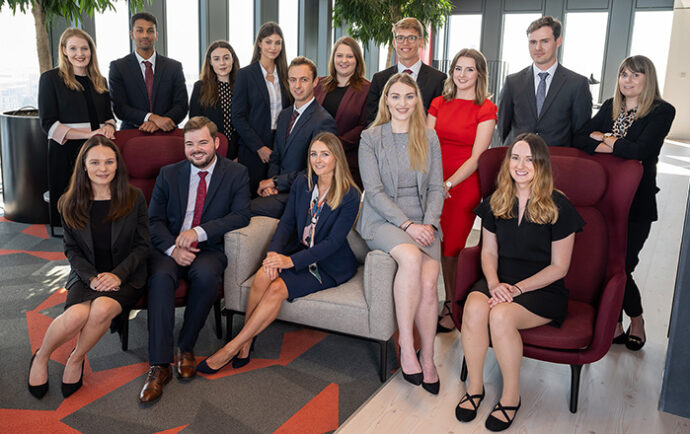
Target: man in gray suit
{"points": [[544, 98]]}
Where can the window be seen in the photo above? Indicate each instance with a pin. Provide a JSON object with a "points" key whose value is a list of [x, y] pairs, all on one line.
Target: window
{"points": [[182, 19], [19, 77], [465, 32], [651, 37], [112, 35], [383, 57], [583, 45], [514, 45], [288, 15], [241, 19]]}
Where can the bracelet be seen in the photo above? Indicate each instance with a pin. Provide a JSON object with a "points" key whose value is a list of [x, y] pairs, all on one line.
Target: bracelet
{"points": [[409, 223], [519, 289]]}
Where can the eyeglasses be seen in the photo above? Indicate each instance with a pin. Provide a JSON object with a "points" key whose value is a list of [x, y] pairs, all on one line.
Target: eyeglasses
{"points": [[410, 38]]}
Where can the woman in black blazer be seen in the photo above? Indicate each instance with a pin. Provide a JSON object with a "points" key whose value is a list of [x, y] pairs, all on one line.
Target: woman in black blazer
{"points": [[212, 94], [632, 124], [73, 105], [106, 243], [309, 251], [261, 92]]}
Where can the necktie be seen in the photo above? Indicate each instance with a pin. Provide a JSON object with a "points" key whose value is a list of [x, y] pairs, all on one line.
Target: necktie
{"points": [[200, 198], [541, 91], [408, 71], [148, 79], [295, 114]]}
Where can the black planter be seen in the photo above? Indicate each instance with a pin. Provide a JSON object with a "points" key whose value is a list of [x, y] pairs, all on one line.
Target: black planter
{"points": [[24, 154]]}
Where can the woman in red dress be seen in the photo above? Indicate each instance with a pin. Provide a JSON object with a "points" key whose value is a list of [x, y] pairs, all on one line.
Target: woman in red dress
{"points": [[464, 119]]}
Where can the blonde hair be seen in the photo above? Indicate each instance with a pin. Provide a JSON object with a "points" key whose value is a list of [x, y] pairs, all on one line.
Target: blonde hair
{"points": [[66, 71], [541, 208], [650, 91], [342, 178], [330, 82], [481, 87], [418, 145]]}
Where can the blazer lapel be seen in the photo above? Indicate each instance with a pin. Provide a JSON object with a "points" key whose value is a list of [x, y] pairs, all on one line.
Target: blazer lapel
{"points": [[344, 103], [387, 144], [115, 229], [556, 83], [216, 181], [528, 83], [135, 71], [422, 76], [260, 83], [301, 121], [161, 64], [183, 188], [88, 241]]}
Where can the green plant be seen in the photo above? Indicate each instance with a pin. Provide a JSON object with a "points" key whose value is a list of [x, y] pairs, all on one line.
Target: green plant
{"points": [[372, 20]]}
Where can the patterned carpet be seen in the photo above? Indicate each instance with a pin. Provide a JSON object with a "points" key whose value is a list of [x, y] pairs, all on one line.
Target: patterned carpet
{"points": [[299, 380]]}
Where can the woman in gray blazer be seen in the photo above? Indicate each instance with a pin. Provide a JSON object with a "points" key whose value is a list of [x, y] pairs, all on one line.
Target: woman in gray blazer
{"points": [[106, 243], [400, 166]]}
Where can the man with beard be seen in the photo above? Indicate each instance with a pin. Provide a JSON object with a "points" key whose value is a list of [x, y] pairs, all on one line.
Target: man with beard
{"points": [[194, 203]]}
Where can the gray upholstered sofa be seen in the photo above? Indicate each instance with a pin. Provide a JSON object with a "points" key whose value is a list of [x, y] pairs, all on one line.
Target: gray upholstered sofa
{"points": [[361, 307]]}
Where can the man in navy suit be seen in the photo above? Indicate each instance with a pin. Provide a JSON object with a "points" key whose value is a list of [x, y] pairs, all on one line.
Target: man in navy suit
{"points": [[545, 98], [298, 124], [193, 204], [147, 89]]}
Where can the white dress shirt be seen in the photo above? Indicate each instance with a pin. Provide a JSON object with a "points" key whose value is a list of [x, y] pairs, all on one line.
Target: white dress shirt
{"points": [[414, 68], [274, 95], [300, 111]]}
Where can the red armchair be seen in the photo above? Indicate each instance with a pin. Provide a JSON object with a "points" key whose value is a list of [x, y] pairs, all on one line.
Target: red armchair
{"points": [[145, 154], [601, 188]]}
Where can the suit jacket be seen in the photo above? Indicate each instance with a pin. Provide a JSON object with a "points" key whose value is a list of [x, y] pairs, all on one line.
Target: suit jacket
{"points": [[642, 141], [290, 157], [215, 114], [350, 118], [226, 207], [331, 251], [128, 90], [129, 247], [251, 108], [568, 105], [430, 81], [379, 169]]}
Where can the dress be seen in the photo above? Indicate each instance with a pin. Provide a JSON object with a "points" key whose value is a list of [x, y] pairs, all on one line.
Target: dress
{"points": [[525, 249], [456, 127], [389, 236]]}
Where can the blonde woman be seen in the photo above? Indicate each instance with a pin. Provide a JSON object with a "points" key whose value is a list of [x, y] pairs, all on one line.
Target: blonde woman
{"points": [[400, 166], [309, 251], [528, 233], [73, 105]]}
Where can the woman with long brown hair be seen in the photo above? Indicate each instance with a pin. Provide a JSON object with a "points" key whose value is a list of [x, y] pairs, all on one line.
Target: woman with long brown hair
{"points": [[528, 233], [212, 94], [106, 242]]}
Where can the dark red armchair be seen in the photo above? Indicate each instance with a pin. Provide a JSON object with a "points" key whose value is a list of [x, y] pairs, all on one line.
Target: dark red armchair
{"points": [[145, 154], [601, 188]]}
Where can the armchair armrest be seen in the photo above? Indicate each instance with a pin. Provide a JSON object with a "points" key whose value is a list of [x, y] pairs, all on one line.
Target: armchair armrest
{"points": [[379, 272], [469, 271], [245, 249], [606, 318]]}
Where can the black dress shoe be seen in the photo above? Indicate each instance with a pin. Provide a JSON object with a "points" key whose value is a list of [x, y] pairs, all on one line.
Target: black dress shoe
{"points": [[495, 424], [40, 390], [239, 362], [70, 388], [204, 368], [415, 379], [432, 387], [466, 414]]}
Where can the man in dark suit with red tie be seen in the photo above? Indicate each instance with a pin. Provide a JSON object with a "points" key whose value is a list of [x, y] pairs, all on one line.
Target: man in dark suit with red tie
{"points": [[194, 203], [147, 89]]}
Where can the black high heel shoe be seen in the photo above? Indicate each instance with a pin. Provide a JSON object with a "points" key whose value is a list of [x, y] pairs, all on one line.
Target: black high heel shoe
{"points": [[432, 388], [239, 362], [635, 343], [621, 338], [205, 369], [40, 390], [440, 328], [415, 379], [466, 414], [69, 388]]}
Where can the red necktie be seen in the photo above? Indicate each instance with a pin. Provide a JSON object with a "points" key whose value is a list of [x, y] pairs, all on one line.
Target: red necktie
{"points": [[148, 78], [408, 71], [200, 198], [295, 113]]}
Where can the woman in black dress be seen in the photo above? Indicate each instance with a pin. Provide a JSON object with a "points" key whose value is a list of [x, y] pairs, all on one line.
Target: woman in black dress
{"points": [[212, 94], [632, 124], [73, 105], [528, 233], [106, 243]]}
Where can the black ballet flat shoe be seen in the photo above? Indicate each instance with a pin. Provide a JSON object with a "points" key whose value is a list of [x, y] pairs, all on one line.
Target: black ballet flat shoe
{"points": [[495, 424], [440, 328], [204, 368], [466, 414], [40, 390], [635, 343], [415, 379], [432, 388], [69, 388], [239, 362]]}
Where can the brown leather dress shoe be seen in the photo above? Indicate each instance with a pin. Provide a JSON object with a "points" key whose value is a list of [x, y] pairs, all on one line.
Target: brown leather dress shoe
{"points": [[157, 377], [186, 365]]}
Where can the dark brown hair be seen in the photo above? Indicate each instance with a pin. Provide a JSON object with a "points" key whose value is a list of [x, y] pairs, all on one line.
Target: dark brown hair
{"points": [[330, 82], [267, 29], [301, 60], [546, 21], [209, 78], [143, 16]]}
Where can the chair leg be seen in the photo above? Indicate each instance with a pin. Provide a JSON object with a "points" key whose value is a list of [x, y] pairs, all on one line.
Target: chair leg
{"points": [[229, 315], [219, 323], [383, 368], [463, 370], [574, 386], [124, 330]]}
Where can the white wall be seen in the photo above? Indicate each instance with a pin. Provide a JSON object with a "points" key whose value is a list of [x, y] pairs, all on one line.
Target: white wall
{"points": [[677, 88]]}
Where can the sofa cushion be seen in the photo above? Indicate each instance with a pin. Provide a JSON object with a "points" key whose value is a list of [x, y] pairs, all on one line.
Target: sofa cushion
{"points": [[575, 332]]}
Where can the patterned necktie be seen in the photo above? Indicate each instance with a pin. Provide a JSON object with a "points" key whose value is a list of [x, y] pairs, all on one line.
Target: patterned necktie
{"points": [[200, 198], [295, 114], [408, 71], [148, 79], [541, 91]]}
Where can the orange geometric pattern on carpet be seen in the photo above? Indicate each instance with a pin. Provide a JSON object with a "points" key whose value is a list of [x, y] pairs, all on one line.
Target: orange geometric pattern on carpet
{"points": [[173, 430], [38, 231], [317, 416], [48, 256]]}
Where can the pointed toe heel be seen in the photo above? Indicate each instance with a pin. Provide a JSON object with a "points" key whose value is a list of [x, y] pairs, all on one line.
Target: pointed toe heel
{"points": [[69, 388], [432, 388], [38, 391]]}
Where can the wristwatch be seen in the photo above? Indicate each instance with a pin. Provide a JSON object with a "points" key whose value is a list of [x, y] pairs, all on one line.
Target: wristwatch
{"points": [[449, 185], [607, 135]]}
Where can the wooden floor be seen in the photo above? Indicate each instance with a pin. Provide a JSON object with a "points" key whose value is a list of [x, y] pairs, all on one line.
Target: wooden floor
{"points": [[618, 394]]}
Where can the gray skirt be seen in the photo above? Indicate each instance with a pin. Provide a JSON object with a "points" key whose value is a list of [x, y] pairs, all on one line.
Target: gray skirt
{"points": [[388, 236]]}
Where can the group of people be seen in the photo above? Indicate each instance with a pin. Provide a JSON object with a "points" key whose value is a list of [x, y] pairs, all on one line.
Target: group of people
{"points": [[302, 148]]}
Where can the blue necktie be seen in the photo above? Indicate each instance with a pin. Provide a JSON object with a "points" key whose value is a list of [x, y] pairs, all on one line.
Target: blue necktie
{"points": [[541, 91]]}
